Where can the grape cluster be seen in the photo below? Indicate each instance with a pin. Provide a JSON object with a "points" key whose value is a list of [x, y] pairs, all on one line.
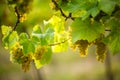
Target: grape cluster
{"points": [[40, 50], [26, 60], [100, 50], [17, 56], [82, 45], [16, 53]]}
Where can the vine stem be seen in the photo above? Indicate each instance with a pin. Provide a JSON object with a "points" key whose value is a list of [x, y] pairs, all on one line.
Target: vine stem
{"points": [[58, 43], [107, 30], [62, 13], [18, 18]]}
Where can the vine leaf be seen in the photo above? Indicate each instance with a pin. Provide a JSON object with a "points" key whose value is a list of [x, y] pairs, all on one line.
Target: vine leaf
{"points": [[6, 29], [60, 35], [43, 38], [9, 38], [38, 64], [115, 45], [107, 6], [23, 37], [37, 29], [28, 46], [86, 30], [95, 11], [70, 6], [114, 37], [63, 44], [46, 58]]}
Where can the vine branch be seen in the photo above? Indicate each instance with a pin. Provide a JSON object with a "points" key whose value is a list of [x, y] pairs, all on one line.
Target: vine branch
{"points": [[18, 18], [62, 13], [58, 43], [107, 30]]}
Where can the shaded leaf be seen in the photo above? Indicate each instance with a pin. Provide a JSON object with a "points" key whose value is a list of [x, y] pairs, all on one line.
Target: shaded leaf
{"points": [[46, 57], [28, 47], [86, 30], [107, 6]]}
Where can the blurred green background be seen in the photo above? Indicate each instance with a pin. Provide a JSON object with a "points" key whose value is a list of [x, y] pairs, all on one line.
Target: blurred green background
{"points": [[64, 66]]}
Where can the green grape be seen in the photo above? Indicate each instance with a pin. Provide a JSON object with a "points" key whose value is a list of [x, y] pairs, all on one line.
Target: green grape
{"points": [[100, 51], [82, 46], [40, 50], [26, 60]]}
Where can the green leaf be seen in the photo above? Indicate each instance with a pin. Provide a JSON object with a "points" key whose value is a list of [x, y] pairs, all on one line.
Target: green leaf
{"points": [[114, 36], [38, 64], [28, 46], [70, 6], [13, 38], [23, 37], [35, 40], [86, 15], [49, 35], [60, 47], [10, 39], [118, 2], [107, 6], [86, 30], [5, 41], [92, 9], [6, 29], [55, 33], [57, 23], [95, 11], [37, 29], [46, 37], [46, 57], [115, 44], [62, 43]]}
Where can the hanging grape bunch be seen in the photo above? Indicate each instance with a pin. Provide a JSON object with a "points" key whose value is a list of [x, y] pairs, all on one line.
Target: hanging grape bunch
{"points": [[100, 50], [26, 60], [17, 56], [40, 50], [16, 53], [82, 46]]}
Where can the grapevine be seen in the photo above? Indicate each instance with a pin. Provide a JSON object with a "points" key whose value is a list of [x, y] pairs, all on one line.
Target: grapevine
{"points": [[88, 20]]}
